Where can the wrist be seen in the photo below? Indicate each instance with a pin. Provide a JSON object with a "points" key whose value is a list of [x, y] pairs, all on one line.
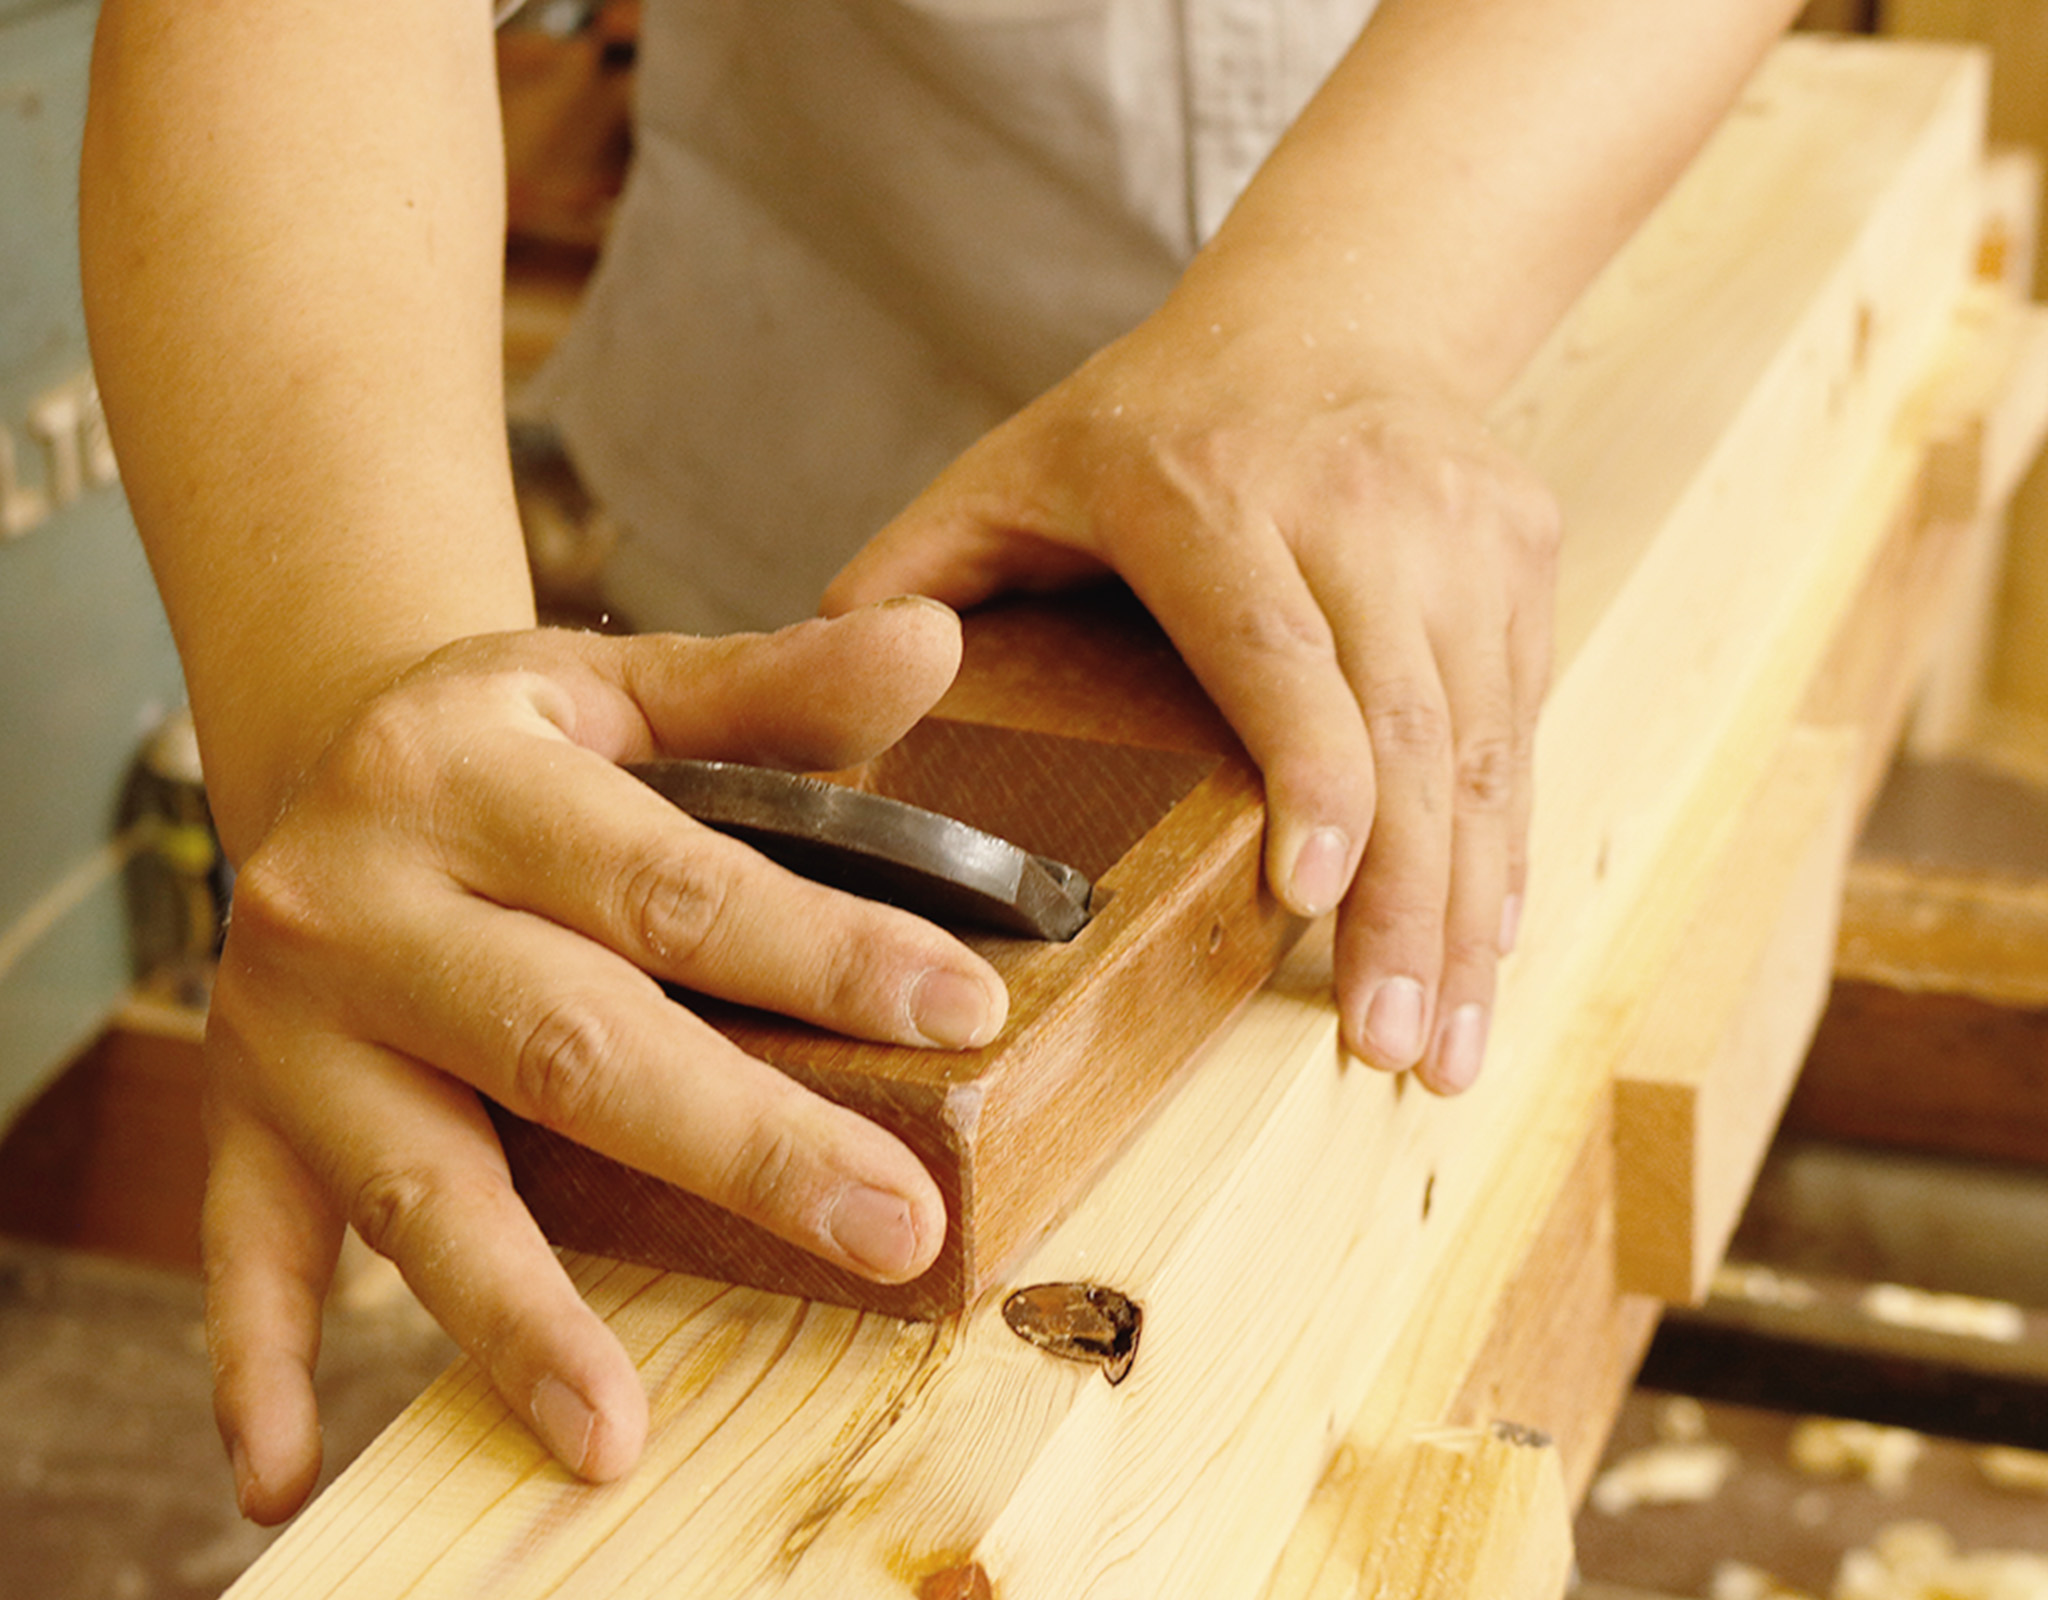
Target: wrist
{"points": [[1328, 321], [294, 685]]}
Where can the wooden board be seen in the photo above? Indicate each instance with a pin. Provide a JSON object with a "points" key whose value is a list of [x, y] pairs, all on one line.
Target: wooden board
{"points": [[1561, 1333], [1980, 452], [1170, 834], [1983, 456], [2016, 32], [1011, 1132], [1320, 1252], [1702, 1085], [1713, 1057], [109, 1157], [1936, 1034], [1955, 932], [1484, 1516], [1927, 1071]]}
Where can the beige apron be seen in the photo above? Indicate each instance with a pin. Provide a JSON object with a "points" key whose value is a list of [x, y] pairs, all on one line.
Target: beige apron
{"points": [[858, 233]]}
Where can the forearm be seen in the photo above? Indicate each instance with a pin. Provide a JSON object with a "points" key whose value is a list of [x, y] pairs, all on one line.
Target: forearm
{"points": [[292, 232], [1468, 168]]}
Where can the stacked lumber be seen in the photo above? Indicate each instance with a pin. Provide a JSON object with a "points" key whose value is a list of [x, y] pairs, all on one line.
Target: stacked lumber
{"points": [[2012, 691], [1936, 1034], [1935, 1037], [1382, 1334]]}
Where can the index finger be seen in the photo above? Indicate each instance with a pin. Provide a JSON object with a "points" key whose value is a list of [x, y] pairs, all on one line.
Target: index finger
{"points": [[1244, 619]]}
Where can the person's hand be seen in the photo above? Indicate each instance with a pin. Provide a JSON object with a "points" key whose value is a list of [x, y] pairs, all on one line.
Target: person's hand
{"points": [[465, 894], [1362, 581]]}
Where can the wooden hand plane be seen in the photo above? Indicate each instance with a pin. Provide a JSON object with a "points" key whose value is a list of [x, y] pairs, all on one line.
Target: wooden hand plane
{"points": [[880, 847], [1074, 732]]}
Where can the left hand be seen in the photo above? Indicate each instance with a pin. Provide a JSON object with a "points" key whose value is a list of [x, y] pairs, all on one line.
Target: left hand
{"points": [[1362, 581]]}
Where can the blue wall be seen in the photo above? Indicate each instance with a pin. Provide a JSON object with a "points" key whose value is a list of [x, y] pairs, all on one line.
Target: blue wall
{"points": [[86, 666]]}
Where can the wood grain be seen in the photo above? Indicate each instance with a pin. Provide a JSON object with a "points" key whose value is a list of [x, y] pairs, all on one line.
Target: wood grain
{"points": [[1321, 1253], [1484, 1517]]}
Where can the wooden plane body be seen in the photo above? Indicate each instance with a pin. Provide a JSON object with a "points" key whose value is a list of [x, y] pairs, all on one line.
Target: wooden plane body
{"points": [[1076, 733]]}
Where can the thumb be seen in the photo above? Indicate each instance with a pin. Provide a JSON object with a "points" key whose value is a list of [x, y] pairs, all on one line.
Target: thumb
{"points": [[956, 554], [815, 695]]}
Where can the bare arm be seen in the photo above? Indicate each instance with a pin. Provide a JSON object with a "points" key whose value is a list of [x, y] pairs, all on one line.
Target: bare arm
{"points": [[1467, 169], [292, 238], [1289, 463]]}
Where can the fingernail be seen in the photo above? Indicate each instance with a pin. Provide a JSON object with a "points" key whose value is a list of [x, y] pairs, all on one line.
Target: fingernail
{"points": [[246, 1486], [1510, 922], [873, 1228], [1393, 1022], [565, 1422], [1463, 1047], [1319, 871], [953, 1010], [917, 600]]}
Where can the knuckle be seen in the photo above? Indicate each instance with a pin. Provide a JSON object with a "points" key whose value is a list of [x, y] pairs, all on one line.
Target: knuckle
{"points": [[386, 739], [1279, 633], [1459, 488], [856, 966], [1406, 722], [1285, 634], [416, 1216], [1537, 518], [1406, 914], [673, 913], [761, 1179], [1493, 491], [393, 1206], [1470, 950], [560, 1070], [1487, 768], [274, 905]]}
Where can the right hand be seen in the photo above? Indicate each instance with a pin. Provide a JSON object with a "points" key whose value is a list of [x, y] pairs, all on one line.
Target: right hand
{"points": [[465, 895]]}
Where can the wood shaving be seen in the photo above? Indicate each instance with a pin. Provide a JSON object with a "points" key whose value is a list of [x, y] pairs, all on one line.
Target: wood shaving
{"points": [[2025, 1471], [1681, 1420], [1663, 1475], [1959, 1314], [1813, 1509], [1733, 1580], [1764, 1287], [1831, 1447], [1919, 1561]]}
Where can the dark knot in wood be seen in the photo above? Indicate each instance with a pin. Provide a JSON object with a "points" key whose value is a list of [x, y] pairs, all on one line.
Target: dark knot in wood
{"points": [[1079, 1322], [957, 1583]]}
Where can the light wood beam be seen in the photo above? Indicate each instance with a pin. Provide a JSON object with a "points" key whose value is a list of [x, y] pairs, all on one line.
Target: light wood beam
{"points": [[1287, 1220]]}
